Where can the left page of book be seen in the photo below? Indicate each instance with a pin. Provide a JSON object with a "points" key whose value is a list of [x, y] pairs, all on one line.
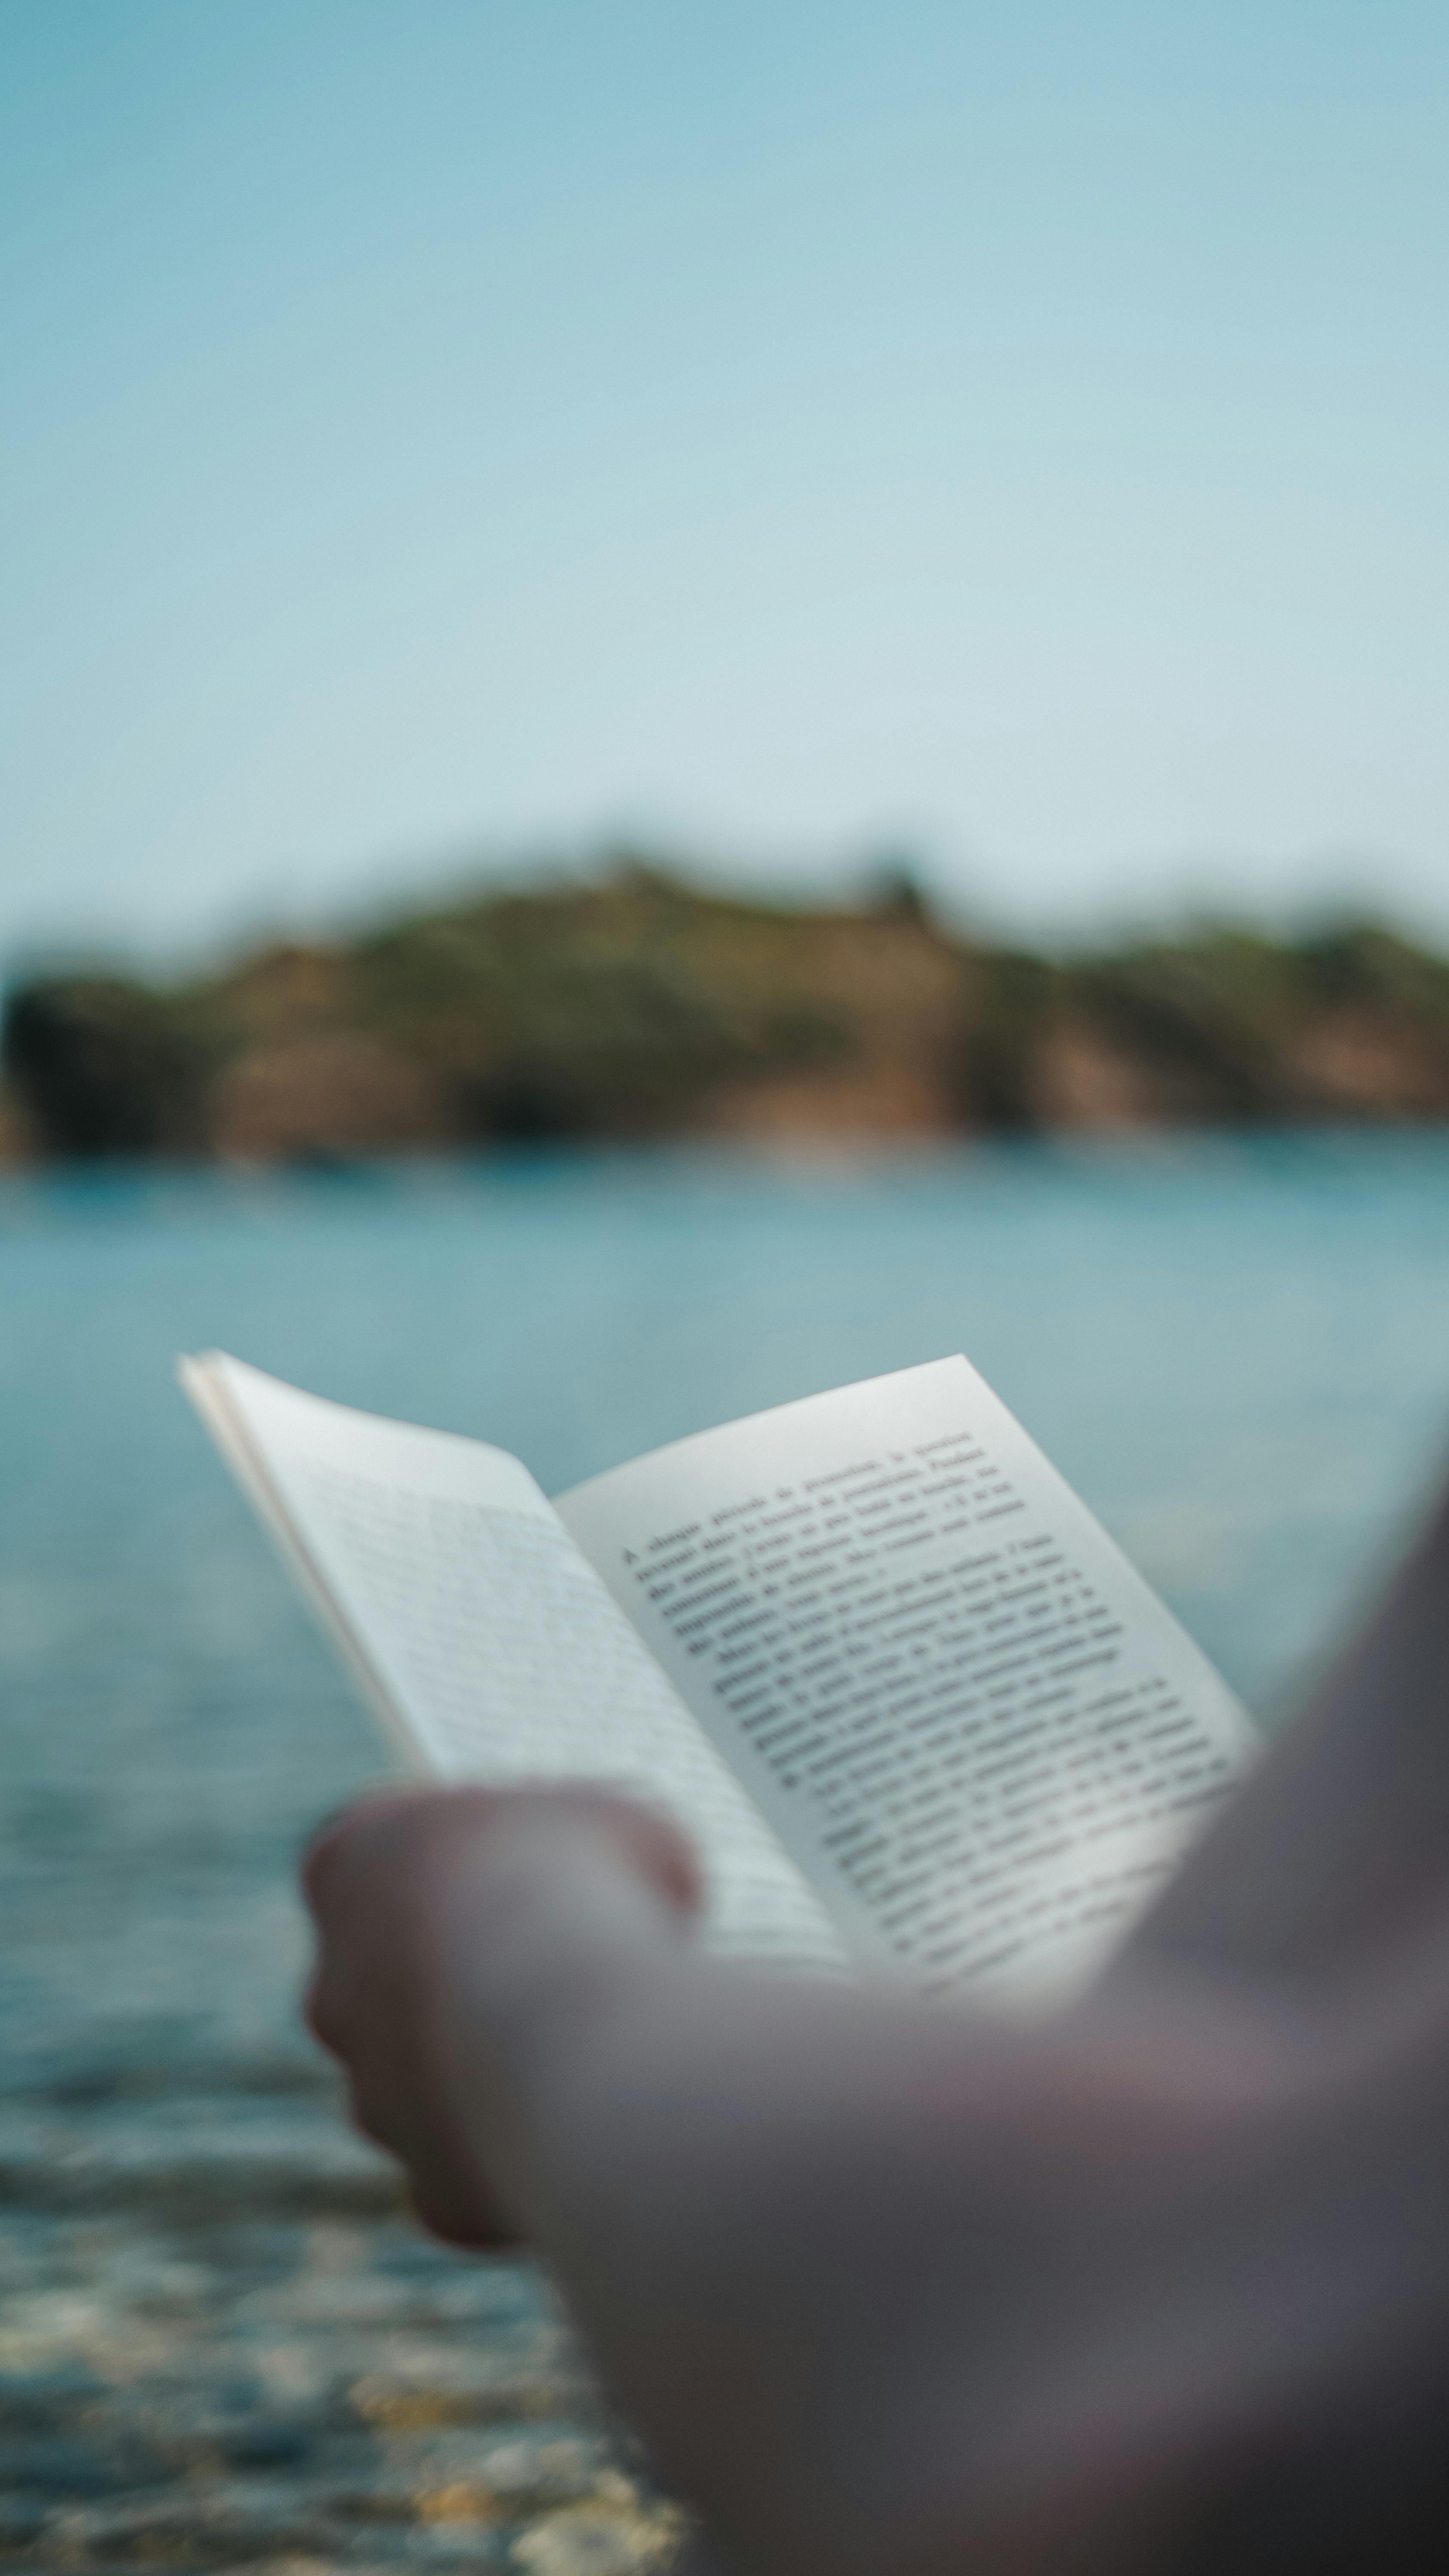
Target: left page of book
{"points": [[484, 1642]]}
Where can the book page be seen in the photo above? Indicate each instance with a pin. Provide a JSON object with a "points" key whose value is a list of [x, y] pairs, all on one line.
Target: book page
{"points": [[483, 1640], [981, 1735]]}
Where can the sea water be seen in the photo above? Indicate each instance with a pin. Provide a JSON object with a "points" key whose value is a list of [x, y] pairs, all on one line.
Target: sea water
{"points": [[1236, 1350]]}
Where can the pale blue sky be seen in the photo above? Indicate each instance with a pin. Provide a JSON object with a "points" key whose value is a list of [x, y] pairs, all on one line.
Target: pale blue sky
{"points": [[431, 424]]}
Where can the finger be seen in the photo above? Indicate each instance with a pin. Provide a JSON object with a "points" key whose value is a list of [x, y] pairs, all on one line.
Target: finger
{"points": [[318, 2010], [645, 1837], [380, 1828], [568, 1893], [372, 2117], [350, 1834], [475, 2219]]}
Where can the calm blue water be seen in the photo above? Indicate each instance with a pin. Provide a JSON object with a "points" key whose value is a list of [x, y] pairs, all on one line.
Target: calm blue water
{"points": [[1238, 1352]]}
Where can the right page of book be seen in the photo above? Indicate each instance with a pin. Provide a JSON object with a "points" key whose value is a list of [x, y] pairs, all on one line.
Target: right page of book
{"points": [[973, 1724]]}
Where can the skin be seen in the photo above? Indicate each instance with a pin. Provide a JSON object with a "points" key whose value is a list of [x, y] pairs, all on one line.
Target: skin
{"points": [[1161, 2284]]}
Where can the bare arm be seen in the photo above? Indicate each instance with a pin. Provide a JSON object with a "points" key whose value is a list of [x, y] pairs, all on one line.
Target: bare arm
{"points": [[1160, 2286], [1339, 1850]]}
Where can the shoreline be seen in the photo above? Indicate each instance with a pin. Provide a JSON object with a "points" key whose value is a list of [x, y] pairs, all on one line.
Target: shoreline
{"points": [[638, 1010], [225, 2343]]}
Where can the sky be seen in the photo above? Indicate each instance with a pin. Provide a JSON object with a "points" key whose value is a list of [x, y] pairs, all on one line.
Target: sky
{"points": [[452, 435]]}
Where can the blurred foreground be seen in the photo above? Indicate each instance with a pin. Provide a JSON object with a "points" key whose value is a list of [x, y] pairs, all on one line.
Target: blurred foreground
{"points": [[635, 1008], [221, 2342]]}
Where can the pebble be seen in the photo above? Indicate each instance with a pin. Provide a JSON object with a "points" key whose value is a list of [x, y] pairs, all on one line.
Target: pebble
{"points": [[225, 2344]]}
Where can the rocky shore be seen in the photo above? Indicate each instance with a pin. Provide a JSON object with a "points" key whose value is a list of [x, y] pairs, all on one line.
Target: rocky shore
{"points": [[635, 1007], [224, 2344]]}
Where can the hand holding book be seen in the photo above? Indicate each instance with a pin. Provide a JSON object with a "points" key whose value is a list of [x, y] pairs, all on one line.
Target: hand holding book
{"points": [[1159, 2282]]}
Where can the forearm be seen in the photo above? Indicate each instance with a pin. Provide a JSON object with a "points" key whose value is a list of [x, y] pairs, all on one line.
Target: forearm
{"points": [[853, 2268], [889, 2291]]}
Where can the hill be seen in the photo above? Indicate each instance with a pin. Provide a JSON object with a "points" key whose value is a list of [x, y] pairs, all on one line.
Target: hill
{"points": [[639, 1007]]}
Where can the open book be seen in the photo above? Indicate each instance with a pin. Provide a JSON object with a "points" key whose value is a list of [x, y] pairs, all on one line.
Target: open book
{"points": [[872, 1651]]}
